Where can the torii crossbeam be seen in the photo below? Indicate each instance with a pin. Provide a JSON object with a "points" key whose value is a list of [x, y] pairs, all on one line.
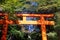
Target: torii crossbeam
{"points": [[41, 22]]}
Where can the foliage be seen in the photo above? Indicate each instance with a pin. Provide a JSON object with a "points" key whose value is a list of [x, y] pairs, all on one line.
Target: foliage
{"points": [[19, 5], [14, 31]]}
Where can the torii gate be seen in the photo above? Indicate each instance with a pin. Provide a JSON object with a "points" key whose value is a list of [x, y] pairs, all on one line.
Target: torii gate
{"points": [[41, 22]]}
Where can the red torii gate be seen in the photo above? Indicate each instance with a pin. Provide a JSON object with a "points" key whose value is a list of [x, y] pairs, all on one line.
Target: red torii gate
{"points": [[41, 22]]}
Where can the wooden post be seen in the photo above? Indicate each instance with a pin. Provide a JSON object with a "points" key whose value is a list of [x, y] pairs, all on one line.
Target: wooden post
{"points": [[43, 29], [5, 28]]}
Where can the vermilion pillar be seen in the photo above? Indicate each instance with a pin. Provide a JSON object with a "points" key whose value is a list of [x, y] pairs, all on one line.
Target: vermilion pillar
{"points": [[43, 29], [5, 28]]}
